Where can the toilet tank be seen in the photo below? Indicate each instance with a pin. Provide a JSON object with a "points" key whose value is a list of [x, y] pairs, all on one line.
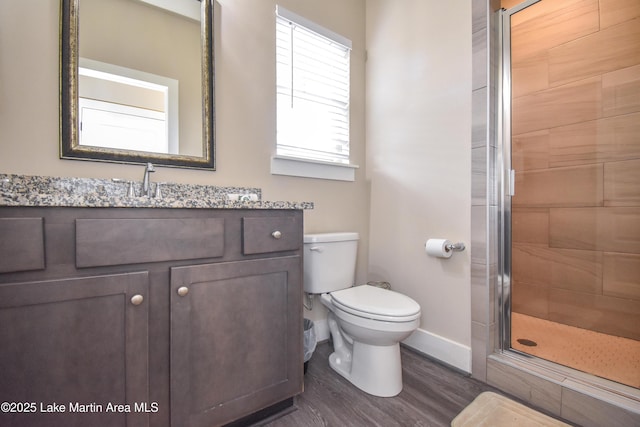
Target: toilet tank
{"points": [[329, 261]]}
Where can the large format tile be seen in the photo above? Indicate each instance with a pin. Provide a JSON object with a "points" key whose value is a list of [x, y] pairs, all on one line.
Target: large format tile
{"points": [[530, 225], [569, 269], [530, 74], [479, 176], [622, 183], [569, 398], [621, 91], [613, 12], [479, 293], [571, 103], [572, 186], [479, 234], [479, 59], [531, 299], [479, 118], [545, 25], [528, 386], [479, 10], [615, 229], [609, 315], [530, 151], [590, 411], [621, 275], [604, 140], [611, 49], [479, 334]]}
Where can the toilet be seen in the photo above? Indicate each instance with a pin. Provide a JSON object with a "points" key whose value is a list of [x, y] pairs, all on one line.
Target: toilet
{"points": [[366, 322]]}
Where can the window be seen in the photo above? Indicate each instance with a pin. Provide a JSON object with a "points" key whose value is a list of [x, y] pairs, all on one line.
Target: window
{"points": [[312, 74], [127, 109], [111, 125]]}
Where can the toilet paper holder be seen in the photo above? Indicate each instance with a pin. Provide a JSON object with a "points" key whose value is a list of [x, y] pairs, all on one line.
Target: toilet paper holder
{"points": [[442, 248], [457, 247]]}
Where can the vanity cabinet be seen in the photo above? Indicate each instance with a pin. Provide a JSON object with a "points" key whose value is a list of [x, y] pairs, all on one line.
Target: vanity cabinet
{"points": [[68, 343], [233, 326], [149, 317]]}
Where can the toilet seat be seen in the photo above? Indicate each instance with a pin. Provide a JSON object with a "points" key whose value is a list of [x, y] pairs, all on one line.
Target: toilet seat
{"points": [[376, 303]]}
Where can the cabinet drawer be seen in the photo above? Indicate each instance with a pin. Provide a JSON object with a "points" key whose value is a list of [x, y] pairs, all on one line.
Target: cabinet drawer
{"points": [[102, 242], [271, 234], [21, 244]]}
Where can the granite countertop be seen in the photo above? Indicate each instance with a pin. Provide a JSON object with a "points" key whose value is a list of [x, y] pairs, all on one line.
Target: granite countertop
{"points": [[24, 190]]}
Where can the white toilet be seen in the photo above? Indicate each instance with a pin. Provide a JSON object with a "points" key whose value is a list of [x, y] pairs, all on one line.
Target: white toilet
{"points": [[367, 323]]}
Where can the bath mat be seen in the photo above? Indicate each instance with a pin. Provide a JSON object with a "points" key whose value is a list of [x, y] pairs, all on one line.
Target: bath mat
{"points": [[493, 410]]}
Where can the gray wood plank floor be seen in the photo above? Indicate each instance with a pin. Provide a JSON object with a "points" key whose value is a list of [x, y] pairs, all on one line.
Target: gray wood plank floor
{"points": [[433, 395]]}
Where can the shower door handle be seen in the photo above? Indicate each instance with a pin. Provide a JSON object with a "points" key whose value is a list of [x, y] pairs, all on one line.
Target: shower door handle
{"points": [[512, 182]]}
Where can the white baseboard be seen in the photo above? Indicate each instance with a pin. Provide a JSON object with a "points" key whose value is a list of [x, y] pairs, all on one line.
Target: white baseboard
{"points": [[449, 352], [443, 349]]}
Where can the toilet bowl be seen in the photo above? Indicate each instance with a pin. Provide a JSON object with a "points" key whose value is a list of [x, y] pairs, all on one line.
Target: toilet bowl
{"points": [[366, 343], [366, 323]]}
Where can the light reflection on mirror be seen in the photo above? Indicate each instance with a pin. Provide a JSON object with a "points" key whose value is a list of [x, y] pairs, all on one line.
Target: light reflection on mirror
{"points": [[127, 109]]}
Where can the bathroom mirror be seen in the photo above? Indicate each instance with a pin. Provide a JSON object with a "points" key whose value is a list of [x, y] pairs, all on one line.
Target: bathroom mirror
{"points": [[137, 81]]}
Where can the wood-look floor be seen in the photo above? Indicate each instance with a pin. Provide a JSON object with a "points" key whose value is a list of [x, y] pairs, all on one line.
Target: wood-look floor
{"points": [[433, 395]]}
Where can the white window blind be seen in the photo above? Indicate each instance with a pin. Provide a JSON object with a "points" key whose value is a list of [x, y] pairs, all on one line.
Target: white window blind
{"points": [[312, 90]]}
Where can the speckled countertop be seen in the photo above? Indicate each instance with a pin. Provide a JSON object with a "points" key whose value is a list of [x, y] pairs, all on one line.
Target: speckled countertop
{"points": [[24, 190]]}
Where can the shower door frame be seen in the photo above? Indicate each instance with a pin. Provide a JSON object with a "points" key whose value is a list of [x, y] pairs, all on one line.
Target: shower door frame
{"points": [[501, 366], [505, 178]]}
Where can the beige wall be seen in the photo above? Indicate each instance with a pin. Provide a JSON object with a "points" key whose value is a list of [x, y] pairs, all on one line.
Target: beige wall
{"points": [[419, 161], [245, 107], [417, 171]]}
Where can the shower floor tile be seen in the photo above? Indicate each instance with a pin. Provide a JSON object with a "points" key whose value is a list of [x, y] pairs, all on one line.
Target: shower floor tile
{"points": [[607, 356]]}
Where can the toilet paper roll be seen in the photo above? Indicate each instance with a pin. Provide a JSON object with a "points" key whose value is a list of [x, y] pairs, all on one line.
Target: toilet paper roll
{"points": [[438, 248]]}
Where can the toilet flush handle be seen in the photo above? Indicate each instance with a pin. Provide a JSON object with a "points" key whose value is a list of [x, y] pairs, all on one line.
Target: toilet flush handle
{"points": [[319, 249]]}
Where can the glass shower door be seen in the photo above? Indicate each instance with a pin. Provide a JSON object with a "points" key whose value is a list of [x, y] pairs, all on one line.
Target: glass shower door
{"points": [[574, 146]]}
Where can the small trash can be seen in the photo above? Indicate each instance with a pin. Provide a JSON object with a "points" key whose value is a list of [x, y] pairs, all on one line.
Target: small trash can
{"points": [[309, 341]]}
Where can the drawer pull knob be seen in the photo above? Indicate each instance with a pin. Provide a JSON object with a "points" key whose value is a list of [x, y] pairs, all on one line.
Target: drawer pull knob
{"points": [[183, 290], [276, 234], [137, 299]]}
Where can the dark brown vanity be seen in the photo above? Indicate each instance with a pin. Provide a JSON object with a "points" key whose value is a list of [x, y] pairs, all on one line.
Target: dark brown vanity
{"points": [[148, 316]]}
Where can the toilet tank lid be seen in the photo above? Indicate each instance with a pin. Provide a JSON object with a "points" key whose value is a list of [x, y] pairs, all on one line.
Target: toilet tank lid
{"points": [[330, 237]]}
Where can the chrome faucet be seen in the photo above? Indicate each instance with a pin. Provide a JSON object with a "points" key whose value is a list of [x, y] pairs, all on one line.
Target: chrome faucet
{"points": [[146, 182]]}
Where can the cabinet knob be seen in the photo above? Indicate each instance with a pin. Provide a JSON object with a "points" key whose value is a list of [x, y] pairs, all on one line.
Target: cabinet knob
{"points": [[183, 290], [137, 299], [276, 234]]}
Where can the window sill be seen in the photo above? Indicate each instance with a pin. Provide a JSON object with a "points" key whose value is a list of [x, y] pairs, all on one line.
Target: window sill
{"points": [[291, 166]]}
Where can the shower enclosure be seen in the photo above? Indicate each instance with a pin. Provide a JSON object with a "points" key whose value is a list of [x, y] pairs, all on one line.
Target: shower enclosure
{"points": [[570, 173]]}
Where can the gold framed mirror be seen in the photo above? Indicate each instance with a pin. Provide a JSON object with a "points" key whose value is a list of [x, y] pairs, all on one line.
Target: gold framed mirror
{"points": [[137, 82]]}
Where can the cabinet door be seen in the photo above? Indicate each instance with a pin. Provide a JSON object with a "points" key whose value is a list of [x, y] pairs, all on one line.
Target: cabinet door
{"points": [[73, 349], [236, 339]]}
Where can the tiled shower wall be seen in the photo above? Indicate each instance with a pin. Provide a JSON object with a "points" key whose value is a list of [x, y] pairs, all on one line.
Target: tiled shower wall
{"points": [[484, 202], [554, 392], [576, 152]]}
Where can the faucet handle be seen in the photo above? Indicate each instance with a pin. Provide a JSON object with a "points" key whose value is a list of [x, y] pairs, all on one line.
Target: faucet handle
{"points": [[150, 167], [158, 193]]}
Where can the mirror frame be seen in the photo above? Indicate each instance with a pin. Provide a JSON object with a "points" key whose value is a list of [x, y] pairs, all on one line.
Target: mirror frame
{"points": [[69, 136]]}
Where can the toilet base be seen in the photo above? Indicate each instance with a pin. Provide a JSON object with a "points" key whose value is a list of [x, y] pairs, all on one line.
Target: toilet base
{"points": [[376, 370]]}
